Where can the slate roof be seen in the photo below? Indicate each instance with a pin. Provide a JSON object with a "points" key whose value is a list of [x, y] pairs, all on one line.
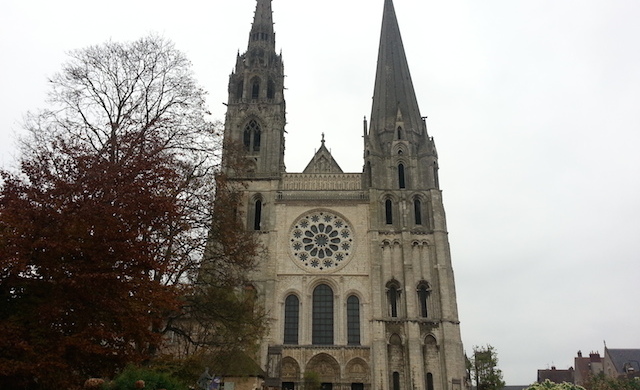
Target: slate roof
{"points": [[556, 376], [622, 357]]}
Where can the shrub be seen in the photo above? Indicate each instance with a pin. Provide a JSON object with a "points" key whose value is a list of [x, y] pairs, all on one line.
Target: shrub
{"points": [[153, 380]]}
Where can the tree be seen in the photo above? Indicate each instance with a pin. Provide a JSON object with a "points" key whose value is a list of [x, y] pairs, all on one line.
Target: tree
{"points": [[104, 228], [483, 367], [221, 313], [79, 291], [602, 382], [548, 385], [312, 381]]}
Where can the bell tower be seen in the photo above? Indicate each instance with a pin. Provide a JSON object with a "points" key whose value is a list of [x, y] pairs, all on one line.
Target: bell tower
{"points": [[415, 315], [255, 115], [399, 154]]}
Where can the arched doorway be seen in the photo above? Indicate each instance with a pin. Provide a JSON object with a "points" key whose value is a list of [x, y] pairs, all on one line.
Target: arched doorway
{"points": [[327, 369]]}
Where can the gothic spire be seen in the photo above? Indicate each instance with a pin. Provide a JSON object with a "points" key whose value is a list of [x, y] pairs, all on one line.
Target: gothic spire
{"points": [[262, 28], [394, 99]]}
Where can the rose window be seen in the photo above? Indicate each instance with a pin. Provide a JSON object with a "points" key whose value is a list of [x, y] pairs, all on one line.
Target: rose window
{"points": [[321, 240]]}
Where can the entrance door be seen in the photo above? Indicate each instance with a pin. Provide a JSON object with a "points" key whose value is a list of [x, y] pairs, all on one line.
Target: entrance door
{"points": [[288, 386], [326, 386], [357, 386]]}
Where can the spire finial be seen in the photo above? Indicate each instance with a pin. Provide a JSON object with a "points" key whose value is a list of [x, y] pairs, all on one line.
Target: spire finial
{"points": [[262, 29], [323, 138], [393, 91]]}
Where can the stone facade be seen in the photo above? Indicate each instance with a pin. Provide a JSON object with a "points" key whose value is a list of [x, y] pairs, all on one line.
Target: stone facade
{"points": [[358, 280]]}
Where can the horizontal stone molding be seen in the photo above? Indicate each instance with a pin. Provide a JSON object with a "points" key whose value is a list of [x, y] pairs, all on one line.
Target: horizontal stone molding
{"points": [[321, 182], [328, 195]]}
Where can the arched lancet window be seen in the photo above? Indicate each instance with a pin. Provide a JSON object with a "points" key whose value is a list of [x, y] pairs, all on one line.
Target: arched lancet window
{"points": [[246, 139], [240, 89], [417, 211], [255, 88], [436, 180], [423, 298], [401, 183], [257, 215], [353, 320], [429, 381], [396, 380], [393, 294], [256, 140], [322, 319], [367, 174], [271, 89], [251, 138], [399, 132], [388, 211], [291, 319]]}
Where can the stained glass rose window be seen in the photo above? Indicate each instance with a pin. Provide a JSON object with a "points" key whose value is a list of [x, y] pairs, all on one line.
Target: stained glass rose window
{"points": [[321, 240]]}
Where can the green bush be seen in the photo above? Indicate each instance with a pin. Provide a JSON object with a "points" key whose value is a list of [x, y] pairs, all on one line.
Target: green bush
{"points": [[153, 380]]}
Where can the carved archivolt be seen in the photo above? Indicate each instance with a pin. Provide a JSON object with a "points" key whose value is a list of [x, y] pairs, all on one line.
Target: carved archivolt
{"points": [[326, 366], [357, 370], [290, 369]]}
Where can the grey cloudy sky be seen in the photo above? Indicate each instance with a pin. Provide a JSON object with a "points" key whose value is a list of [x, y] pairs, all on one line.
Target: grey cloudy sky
{"points": [[534, 105]]}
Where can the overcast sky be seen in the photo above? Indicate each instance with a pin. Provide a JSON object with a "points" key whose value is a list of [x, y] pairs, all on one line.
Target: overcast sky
{"points": [[534, 106]]}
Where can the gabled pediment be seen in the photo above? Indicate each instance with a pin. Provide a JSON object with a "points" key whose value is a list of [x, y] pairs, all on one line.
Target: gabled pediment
{"points": [[323, 162]]}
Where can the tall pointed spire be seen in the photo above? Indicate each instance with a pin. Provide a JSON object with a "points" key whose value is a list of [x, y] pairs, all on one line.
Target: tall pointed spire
{"points": [[394, 99], [262, 29], [256, 106]]}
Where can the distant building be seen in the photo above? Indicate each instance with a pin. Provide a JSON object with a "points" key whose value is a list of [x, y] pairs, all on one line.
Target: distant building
{"points": [[619, 363], [586, 367], [616, 363], [556, 376]]}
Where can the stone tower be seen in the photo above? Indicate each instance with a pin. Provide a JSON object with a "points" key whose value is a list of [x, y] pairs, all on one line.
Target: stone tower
{"points": [[256, 109], [357, 281]]}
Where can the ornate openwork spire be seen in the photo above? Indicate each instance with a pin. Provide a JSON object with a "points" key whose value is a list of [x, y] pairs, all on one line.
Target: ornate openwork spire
{"points": [[262, 29], [394, 99]]}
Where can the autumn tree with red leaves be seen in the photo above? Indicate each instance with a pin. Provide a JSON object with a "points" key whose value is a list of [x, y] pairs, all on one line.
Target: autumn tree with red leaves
{"points": [[104, 228]]}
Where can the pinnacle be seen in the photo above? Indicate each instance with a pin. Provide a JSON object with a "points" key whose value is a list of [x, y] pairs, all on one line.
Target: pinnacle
{"points": [[393, 91]]}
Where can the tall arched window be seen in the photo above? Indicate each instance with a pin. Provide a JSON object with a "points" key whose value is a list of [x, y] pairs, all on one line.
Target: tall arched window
{"points": [[291, 319], [353, 320], [251, 138], [257, 215], [393, 294], [246, 139], [401, 183], [399, 132], [255, 88], [396, 380], [271, 89], [256, 139], [388, 211], [429, 381], [423, 298], [417, 211], [240, 89], [322, 320]]}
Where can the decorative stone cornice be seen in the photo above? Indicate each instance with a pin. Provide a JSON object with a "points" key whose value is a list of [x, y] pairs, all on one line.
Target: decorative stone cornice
{"points": [[321, 182]]}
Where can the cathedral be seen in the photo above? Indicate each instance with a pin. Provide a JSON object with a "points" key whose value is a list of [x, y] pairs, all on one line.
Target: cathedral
{"points": [[357, 280]]}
